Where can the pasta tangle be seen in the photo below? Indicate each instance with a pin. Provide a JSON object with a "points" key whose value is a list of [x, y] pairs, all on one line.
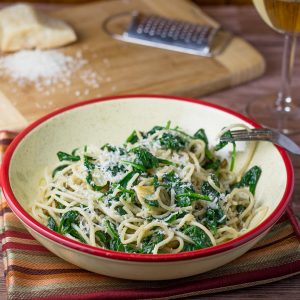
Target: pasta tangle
{"points": [[163, 191]]}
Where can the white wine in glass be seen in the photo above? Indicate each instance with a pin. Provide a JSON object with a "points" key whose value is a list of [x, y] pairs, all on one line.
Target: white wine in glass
{"points": [[280, 112]]}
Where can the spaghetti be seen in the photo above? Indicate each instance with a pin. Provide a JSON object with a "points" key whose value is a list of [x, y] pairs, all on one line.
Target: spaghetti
{"points": [[163, 191]]}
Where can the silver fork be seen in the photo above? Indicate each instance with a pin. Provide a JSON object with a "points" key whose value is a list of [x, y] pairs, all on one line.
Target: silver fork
{"points": [[263, 134]]}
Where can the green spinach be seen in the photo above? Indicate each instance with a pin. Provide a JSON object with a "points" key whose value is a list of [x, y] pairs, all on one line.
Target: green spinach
{"points": [[214, 164], [89, 178], [145, 158], [240, 208], [114, 241], [58, 169], [52, 224], [174, 216], [208, 190], [172, 141], [198, 236], [115, 169], [154, 130], [68, 157], [137, 167], [184, 192], [133, 138], [103, 237], [124, 181], [67, 220], [222, 144], [65, 226], [150, 241], [153, 203], [213, 218], [121, 211], [201, 135], [250, 179]]}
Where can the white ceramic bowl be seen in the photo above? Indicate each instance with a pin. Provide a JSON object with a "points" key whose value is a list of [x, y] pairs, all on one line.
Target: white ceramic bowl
{"points": [[110, 120]]}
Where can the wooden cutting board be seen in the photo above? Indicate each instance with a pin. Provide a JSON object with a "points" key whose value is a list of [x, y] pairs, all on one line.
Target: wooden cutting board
{"points": [[123, 68]]}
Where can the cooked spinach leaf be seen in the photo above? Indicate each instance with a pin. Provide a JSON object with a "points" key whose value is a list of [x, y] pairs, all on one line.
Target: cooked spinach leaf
{"points": [[250, 179], [74, 151], [174, 216], [111, 229], [77, 235], [213, 218], [182, 133], [168, 125], [171, 218], [136, 167], [145, 158], [222, 144], [184, 192], [52, 224], [110, 148], [90, 181], [214, 164], [201, 135], [65, 226], [154, 130], [87, 163], [67, 220], [124, 181], [198, 236], [211, 162], [195, 196], [233, 157], [58, 169], [121, 211], [68, 157], [129, 194], [172, 141], [115, 169], [150, 241], [133, 138], [58, 204], [167, 162], [89, 178], [155, 182], [240, 208], [169, 179], [103, 237], [208, 190], [114, 240], [153, 203]]}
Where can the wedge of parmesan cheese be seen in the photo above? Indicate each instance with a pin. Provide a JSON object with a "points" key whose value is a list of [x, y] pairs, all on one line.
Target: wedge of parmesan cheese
{"points": [[21, 27]]}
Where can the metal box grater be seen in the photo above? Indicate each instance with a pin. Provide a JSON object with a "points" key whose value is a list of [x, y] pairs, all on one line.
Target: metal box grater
{"points": [[160, 32]]}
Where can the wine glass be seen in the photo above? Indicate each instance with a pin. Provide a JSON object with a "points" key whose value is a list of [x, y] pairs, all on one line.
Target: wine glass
{"points": [[280, 112]]}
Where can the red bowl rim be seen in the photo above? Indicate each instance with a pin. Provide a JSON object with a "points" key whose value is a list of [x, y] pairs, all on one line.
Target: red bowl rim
{"points": [[53, 236]]}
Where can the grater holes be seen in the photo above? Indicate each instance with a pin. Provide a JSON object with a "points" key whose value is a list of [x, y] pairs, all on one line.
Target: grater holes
{"points": [[182, 34]]}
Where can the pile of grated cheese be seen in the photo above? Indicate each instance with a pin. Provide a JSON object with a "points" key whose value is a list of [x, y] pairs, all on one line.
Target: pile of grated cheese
{"points": [[45, 69]]}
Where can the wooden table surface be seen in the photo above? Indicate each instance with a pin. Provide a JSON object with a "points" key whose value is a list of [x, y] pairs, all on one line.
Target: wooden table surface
{"points": [[244, 21]]}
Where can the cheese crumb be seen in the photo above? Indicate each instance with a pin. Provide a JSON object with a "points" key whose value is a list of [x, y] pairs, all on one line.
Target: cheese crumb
{"points": [[47, 70]]}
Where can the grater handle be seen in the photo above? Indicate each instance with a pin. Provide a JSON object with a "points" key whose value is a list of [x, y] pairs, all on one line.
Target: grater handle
{"points": [[110, 19]]}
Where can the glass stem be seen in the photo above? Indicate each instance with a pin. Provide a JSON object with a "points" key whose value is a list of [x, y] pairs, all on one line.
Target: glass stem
{"points": [[284, 99]]}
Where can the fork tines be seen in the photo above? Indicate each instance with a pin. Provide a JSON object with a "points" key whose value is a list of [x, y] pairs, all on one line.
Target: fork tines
{"points": [[262, 134], [246, 135]]}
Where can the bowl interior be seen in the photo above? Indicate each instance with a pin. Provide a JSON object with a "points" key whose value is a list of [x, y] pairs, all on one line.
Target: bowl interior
{"points": [[112, 121]]}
